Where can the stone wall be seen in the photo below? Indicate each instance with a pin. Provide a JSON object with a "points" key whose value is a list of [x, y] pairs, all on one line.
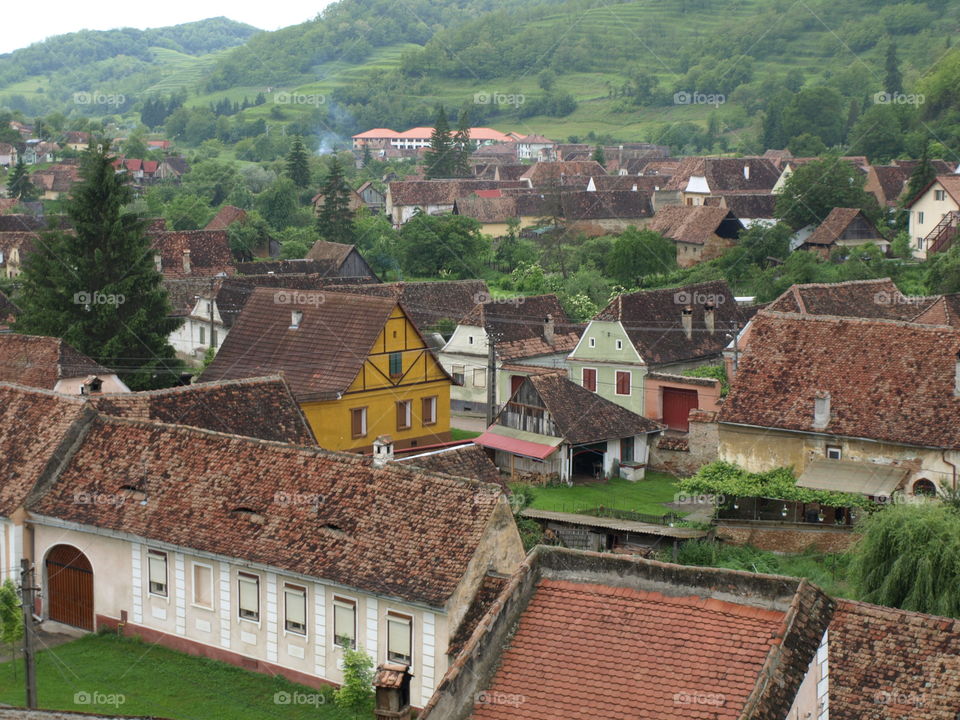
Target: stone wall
{"points": [[787, 539], [684, 455]]}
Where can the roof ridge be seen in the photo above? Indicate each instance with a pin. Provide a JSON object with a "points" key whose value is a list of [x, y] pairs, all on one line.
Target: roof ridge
{"points": [[858, 320]]}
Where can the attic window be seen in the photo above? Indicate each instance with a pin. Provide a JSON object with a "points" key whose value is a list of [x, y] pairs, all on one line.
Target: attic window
{"points": [[134, 493], [249, 515], [296, 317]]}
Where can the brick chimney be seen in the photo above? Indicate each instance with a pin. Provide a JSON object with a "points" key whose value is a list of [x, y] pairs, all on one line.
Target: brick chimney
{"points": [[392, 683], [686, 318], [186, 262], [548, 329], [382, 450], [709, 317], [821, 410]]}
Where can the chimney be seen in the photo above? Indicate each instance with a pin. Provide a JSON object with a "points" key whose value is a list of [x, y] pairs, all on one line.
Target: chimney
{"points": [[548, 329], [746, 172], [708, 317], [686, 317], [158, 261], [956, 377], [382, 450], [296, 317], [186, 262], [392, 684], [821, 410]]}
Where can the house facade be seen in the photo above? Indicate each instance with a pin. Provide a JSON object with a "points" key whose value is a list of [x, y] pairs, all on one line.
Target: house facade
{"points": [[934, 216]]}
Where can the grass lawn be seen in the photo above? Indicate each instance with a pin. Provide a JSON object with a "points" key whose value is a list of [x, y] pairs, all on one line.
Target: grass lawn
{"points": [[152, 680], [646, 496], [457, 434]]}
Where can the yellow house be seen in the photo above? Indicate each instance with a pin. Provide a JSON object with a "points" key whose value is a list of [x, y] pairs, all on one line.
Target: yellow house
{"points": [[357, 365]]}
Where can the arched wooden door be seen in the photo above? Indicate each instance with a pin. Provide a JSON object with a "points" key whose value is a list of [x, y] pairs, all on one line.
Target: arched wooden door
{"points": [[69, 587]]}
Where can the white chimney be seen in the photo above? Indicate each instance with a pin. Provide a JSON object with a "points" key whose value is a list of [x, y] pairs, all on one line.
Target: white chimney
{"points": [[708, 317], [382, 450], [686, 319], [548, 329], [186, 262], [746, 172], [821, 410]]}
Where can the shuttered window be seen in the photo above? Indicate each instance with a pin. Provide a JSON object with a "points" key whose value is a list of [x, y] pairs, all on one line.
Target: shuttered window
{"points": [[249, 604], [358, 422], [590, 379], [623, 382], [295, 609], [344, 622], [158, 572], [428, 410], [399, 637], [396, 364], [403, 414]]}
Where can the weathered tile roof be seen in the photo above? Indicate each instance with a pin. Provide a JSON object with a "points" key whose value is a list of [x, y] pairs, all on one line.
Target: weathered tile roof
{"points": [[301, 266], [209, 252], [597, 637], [40, 362], [749, 204], [878, 298], [887, 182], [694, 224], [183, 291], [582, 416], [511, 172], [887, 663], [262, 408], [653, 321], [724, 174], [581, 204], [441, 192], [835, 224], [36, 426], [227, 216], [519, 326], [541, 173], [887, 380], [486, 209], [467, 461], [23, 242], [490, 587], [394, 530], [950, 183], [320, 358], [943, 310], [331, 251]]}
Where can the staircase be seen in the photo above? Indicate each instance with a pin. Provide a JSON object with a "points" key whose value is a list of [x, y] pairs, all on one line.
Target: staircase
{"points": [[941, 237]]}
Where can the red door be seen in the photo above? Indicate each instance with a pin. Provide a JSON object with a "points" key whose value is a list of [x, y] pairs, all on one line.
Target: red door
{"points": [[69, 587], [677, 405], [515, 382]]}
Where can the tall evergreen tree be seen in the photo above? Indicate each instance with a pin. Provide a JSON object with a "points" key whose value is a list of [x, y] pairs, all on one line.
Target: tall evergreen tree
{"points": [[98, 287], [462, 147], [599, 155], [439, 156], [19, 185], [335, 221], [298, 163], [893, 83], [923, 174], [367, 157]]}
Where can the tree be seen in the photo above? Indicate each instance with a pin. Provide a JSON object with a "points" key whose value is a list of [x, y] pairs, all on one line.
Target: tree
{"points": [[815, 188], [877, 134], [248, 236], [547, 79], [298, 163], [278, 204], [213, 180], [819, 111], [462, 147], [943, 271], [893, 80], [598, 154], [909, 557], [19, 185], [335, 221], [187, 211], [378, 241], [356, 693], [443, 246], [11, 617], [438, 158], [806, 145], [97, 287], [638, 253], [923, 174]]}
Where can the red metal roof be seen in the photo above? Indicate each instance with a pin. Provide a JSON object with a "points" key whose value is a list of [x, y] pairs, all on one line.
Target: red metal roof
{"points": [[515, 446]]}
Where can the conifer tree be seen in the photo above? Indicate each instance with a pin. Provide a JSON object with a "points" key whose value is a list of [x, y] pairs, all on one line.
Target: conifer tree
{"points": [[97, 287], [298, 163], [438, 158], [893, 82], [335, 221], [19, 185], [462, 147], [923, 174]]}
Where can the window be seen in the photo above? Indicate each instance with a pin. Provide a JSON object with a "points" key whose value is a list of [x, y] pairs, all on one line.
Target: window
{"points": [[213, 337], [469, 339], [626, 449], [428, 410], [396, 364], [203, 585], [480, 377], [158, 572], [399, 638], [295, 609], [623, 382], [920, 218], [457, 373], [249, 605], [358, 422], [203, 334], [403, 414], [924, 487], [834, 452], [344, 622], [940, 194], [589, 379], [619, 344], [592, 342]]}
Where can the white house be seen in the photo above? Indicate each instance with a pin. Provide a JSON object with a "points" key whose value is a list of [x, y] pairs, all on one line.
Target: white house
{"points": [[934, 216]]}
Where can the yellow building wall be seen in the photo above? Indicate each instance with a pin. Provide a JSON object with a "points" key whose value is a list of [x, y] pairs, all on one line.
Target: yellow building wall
{"points": [[374, 389]]}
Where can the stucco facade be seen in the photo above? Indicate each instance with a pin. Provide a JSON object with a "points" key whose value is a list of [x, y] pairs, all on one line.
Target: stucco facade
{"points": [[606, 350]]}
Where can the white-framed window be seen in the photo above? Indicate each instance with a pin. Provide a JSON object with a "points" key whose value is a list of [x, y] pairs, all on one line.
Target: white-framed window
{"points": [[358, 422], [940, 195], [834, 452], [588, 378], [295, 609], [479, 377], [404, 414], [399, 638], [344, 622], [920, 217], [619, 344], [428, 410], [592, 342], [157, 562], [202, 585], [248, 606], [623, 382]]}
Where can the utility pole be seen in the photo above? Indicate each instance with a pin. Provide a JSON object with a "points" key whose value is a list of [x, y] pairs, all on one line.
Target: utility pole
{"points": [[210, 305], [491, 377], [26, 595]]}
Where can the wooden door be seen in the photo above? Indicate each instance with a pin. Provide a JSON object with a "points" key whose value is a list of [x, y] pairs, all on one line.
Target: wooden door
{"points": [[69, 588], [677, 405]]}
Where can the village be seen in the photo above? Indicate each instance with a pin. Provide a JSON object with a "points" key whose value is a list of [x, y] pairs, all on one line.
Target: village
{"points": [[490, 498]]}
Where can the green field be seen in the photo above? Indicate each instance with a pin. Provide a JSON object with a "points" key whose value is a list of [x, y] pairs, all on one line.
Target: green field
{"points": [[107, 674], [646, 496]]}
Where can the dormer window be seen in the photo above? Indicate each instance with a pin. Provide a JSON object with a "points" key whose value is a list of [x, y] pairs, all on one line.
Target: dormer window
{"points": [[296, 317], [248, 514]]}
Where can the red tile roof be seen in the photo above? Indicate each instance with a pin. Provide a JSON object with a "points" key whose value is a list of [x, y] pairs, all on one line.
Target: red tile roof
{"points": [[227, 216], [467, 461], [395, 531], [877, 298], [209, 252], [40, 362], [836, 223], [694, 224], [519, 327]]}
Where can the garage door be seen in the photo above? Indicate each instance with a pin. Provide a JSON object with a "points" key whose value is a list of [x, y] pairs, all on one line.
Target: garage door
{"points": [[677, 405], [70, 587]]}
